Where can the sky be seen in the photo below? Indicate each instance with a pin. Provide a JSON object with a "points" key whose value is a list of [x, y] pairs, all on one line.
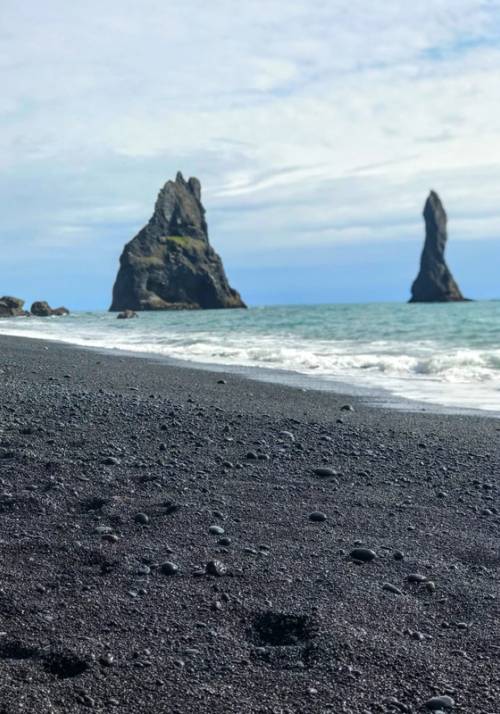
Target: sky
{"points": [[317, 129]]}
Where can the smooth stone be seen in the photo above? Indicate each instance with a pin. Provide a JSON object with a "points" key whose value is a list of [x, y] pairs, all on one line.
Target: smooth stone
{"points": [[364, 555], [216, 530], [101, 530], [224, 541], [141, 518], [443, 702], [416, 578], [111, 461], [347, 408], [110, 537], [325, 472], [391, 589], [317, 516], [169, 568]]}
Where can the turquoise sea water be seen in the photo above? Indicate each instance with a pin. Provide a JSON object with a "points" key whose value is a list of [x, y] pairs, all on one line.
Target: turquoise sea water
{"points": [[443, 354]]}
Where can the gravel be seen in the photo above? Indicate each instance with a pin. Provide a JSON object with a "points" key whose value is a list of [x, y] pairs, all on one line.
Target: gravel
{"points": [[98, 611]]}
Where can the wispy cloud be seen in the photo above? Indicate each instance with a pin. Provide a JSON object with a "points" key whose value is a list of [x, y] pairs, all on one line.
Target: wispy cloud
{"points": [[302, 114]]}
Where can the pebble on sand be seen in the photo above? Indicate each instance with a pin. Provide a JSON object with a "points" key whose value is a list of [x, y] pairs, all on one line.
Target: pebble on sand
{"points": [[215, 567], [317, 516], [141, 518], [325, 472], [437, 703], [216, 530], [169, 568], [110, 461], [391, 589], [363, 555]]}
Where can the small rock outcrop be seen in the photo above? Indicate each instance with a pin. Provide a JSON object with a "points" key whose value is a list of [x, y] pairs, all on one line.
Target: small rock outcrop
{"points": [[11, 307], [435, 283], [127, 314], [40, 308], [170, 264]]}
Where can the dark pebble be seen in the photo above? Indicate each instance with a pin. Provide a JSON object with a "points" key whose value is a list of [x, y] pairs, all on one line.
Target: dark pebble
{"points": [[141, 518], [437, 703], [325, 472], [391, 589], [215, 567], [317, 516], [169, 568], [216, 530], [110, 537], [111, 461], [364, 555]]}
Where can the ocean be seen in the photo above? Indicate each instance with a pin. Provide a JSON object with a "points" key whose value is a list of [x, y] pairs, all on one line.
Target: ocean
{"points": [[441, 355]]}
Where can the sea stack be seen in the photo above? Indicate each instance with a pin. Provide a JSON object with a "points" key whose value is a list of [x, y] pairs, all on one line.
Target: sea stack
{"points": [[170, 264], [435, 283]]}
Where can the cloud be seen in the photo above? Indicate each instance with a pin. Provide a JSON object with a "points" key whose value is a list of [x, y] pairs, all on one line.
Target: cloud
{"points": [[308, 122]]}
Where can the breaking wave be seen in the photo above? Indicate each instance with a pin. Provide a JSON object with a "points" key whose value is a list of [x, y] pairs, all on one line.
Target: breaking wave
{"points": [[445, 354]]}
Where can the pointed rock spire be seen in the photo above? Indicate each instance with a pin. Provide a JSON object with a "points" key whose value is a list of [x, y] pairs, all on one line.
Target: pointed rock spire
{"points": [[435, 283], [170, 263]]}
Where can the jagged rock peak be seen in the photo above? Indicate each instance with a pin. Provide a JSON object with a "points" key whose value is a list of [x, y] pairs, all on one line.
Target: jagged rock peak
{"points": [[170, 264], [435, 283], [179, 211]]}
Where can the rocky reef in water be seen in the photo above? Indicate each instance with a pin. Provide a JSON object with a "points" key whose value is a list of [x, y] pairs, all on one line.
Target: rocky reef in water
{"points": [[435, 283], [14, 307], [170, 264], [40, 308]]}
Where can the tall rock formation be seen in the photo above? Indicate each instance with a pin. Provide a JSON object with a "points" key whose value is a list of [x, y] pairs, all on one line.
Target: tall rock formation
{"points": [[435, 283], [170, 263]]}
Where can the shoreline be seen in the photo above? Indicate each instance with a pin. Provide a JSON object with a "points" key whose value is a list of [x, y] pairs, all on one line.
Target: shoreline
{"points": [[112, 466], [377, 398]]}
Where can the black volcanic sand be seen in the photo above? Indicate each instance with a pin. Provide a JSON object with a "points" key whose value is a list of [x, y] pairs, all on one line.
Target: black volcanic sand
{"points": [[111, 467]]}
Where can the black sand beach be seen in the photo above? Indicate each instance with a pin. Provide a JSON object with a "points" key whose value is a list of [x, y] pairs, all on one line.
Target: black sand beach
{"points": [[113, 467]]}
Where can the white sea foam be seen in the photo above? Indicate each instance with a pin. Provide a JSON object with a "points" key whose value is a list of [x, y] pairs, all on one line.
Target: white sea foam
{"points": [[460, 369]]}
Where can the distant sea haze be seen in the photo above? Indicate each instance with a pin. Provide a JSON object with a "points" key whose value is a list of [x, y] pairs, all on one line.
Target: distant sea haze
{"points": [[439, 354]]}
